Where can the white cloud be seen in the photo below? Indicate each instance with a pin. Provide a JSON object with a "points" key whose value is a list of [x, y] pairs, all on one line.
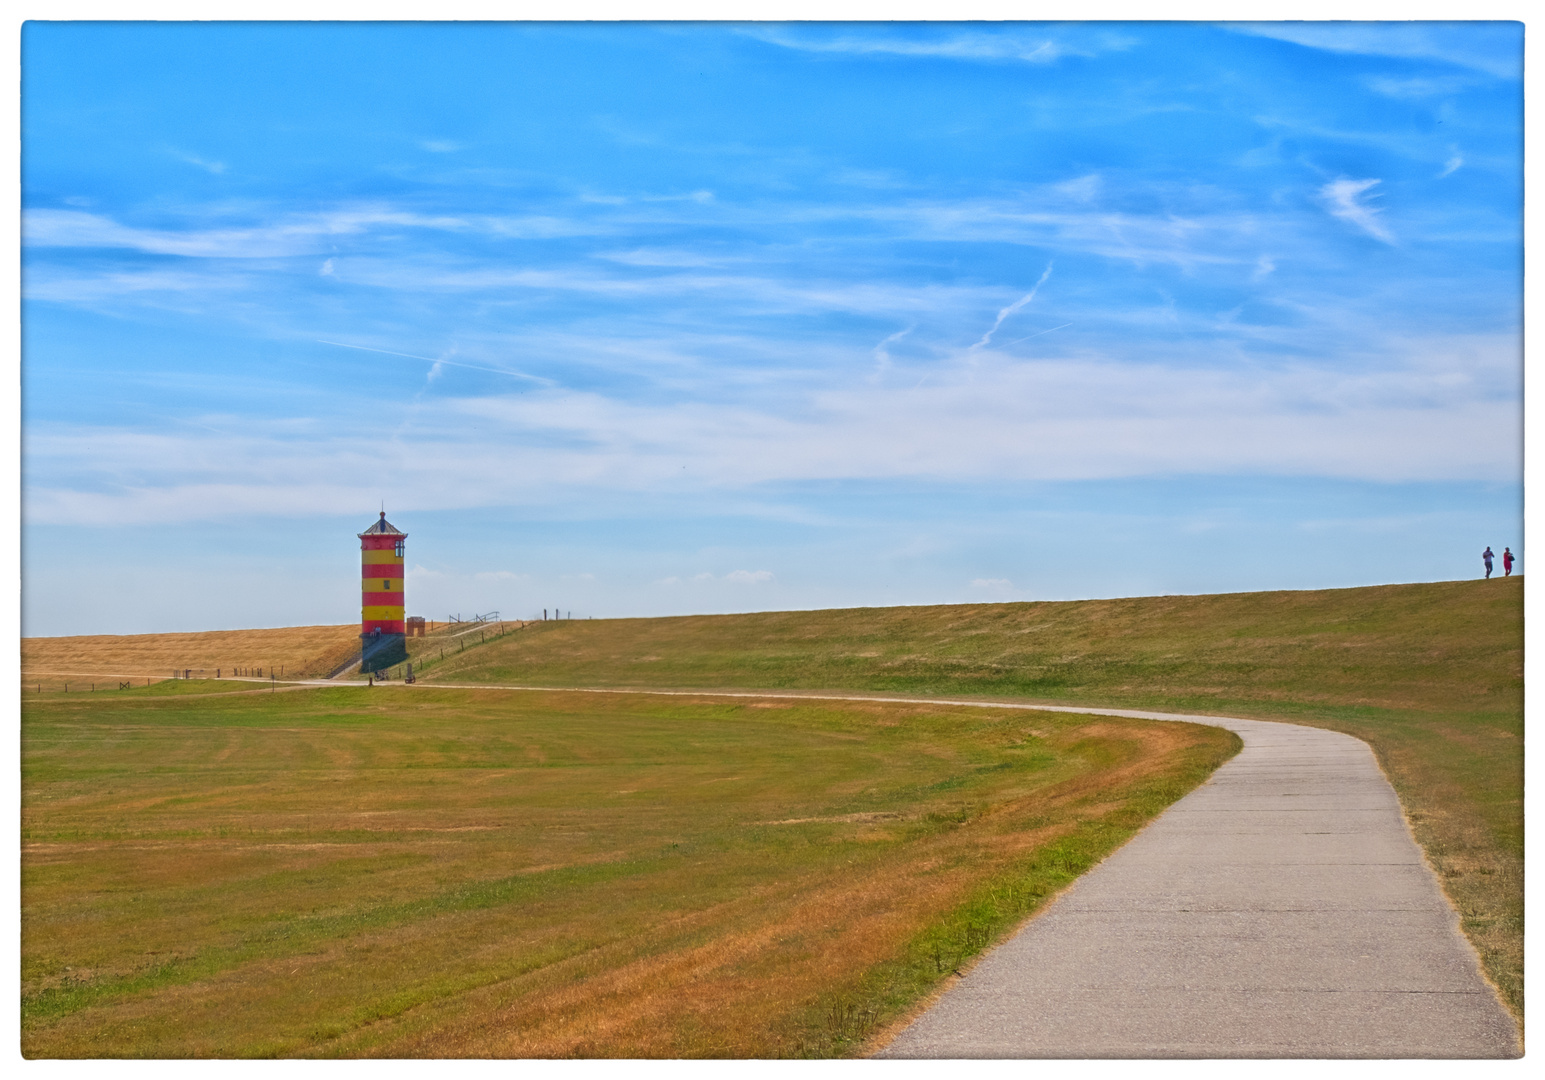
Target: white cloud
{"points": [[438, 363], [1418, 88], [1195, 229], [1449, 411], [1452, 165], [881, 352], [753, 293], [215, 167], [734, 577], [1015, 306], [440, 146], [1083, 189], [187, 290], [1023, 47], [666, 257], [1040, 50], [1344, 199], [294, 234], [1494, 48]]}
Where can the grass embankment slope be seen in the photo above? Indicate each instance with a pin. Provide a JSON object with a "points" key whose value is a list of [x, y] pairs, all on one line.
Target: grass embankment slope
{"points": [[299, 650], [419, 871], [1431, 675]]}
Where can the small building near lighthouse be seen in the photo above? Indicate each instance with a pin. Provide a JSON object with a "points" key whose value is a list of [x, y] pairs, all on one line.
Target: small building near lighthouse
{"points": [[381, 628]]}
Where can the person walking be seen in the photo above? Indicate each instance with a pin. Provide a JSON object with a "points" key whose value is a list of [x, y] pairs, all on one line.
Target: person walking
{"points": [[1507, 562], [1486, 558]]}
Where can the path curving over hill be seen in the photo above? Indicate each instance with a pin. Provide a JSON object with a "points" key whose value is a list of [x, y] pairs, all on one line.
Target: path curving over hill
{"points": [[1281, 909]]}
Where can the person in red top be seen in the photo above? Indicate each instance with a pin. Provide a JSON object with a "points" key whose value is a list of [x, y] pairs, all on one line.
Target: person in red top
{"points": [[1507, 562]]}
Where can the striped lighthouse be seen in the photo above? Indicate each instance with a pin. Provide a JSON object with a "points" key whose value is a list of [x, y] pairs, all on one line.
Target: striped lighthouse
{"points": [[381, 602]]}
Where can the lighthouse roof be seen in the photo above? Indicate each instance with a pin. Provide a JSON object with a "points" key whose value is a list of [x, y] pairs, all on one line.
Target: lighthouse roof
{"points": [[383, 528]]}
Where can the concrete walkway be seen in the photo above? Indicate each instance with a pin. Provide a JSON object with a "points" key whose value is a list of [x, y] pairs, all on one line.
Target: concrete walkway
{"points": [[1280, 910]]}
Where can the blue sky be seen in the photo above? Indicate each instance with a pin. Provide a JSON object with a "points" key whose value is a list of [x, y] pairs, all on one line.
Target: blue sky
{"points": [[654, 319]]}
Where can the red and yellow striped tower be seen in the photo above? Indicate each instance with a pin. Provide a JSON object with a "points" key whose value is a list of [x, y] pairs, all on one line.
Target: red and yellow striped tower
{"points": [[381, 626]]}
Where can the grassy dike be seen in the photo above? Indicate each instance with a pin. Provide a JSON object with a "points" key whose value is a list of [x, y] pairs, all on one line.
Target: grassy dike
{"points": [[1430, 675], [425, 872]]}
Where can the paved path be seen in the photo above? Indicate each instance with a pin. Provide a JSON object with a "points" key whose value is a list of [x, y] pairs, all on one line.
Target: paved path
{"points": [[1279, 910]]}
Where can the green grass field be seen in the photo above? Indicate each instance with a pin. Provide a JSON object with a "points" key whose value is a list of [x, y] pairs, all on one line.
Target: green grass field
{"points": [[434, 871], [1431, 675], [415, 871]]}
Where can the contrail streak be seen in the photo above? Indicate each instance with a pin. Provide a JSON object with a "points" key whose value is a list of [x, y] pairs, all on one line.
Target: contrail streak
{"points": [[1015, 306], [436, 360], [1038, 333]]}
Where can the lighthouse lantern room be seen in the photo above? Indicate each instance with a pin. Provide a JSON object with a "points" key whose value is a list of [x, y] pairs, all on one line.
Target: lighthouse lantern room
{"points": [[381, 626]]}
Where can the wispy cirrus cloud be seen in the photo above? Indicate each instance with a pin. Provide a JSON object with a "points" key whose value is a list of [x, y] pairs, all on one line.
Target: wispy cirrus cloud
{"points": [[1347, 200], [285, 235], [757, 292], [441, 362], [1448, 412], [1188, 227], [157, 288], [707, 577], [739, 269], [1418, 87], [214, 167], [1496, 48], [292, 235], [1027, 48], [1015, 306]]}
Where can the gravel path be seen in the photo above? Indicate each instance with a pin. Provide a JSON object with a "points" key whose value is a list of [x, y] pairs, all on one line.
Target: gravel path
{"points": [[1279, 910]]}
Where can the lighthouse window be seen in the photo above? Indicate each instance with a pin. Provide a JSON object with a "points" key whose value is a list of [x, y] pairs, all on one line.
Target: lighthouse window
{"points": [[399, 548], [386, 583]]}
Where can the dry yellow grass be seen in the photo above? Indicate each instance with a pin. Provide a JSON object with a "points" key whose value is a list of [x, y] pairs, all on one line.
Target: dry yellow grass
{"points": [[422, 872], [1430, 675], [299, 650]]}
